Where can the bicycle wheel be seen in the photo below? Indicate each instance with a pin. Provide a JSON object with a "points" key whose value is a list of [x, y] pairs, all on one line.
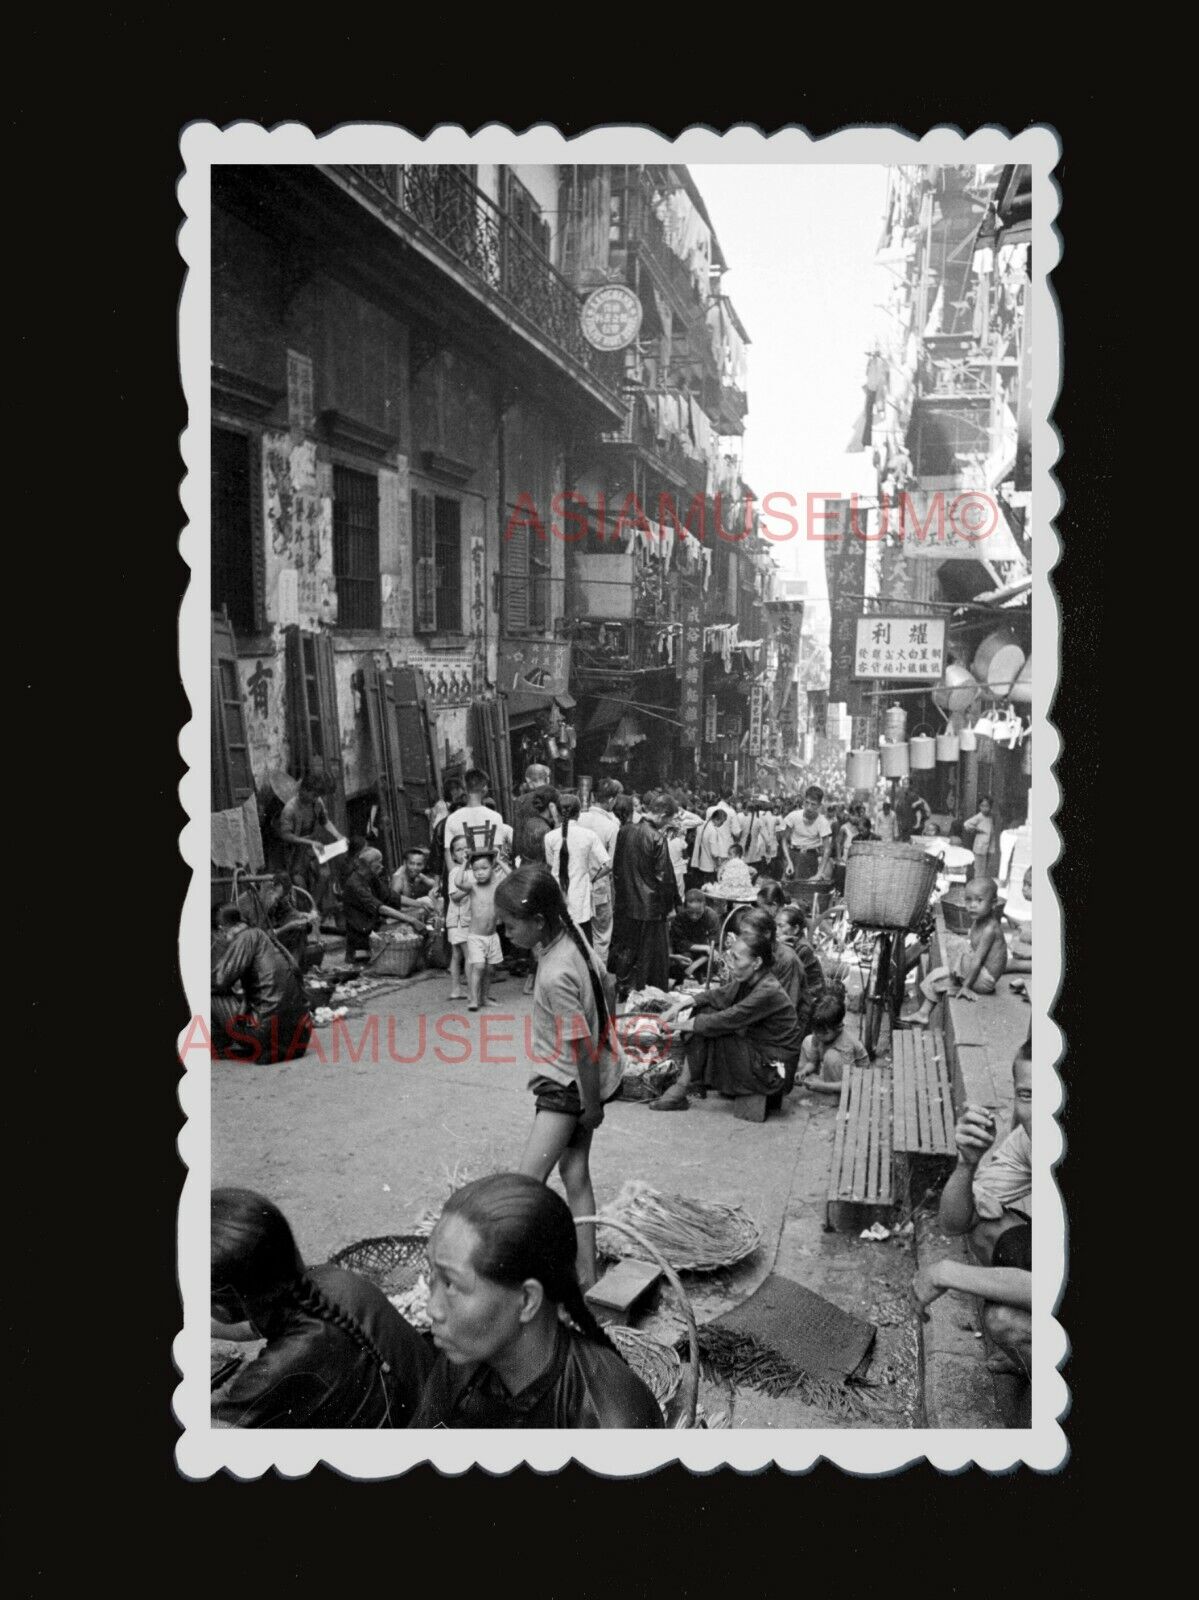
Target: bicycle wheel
{"points": [[877, 996]]}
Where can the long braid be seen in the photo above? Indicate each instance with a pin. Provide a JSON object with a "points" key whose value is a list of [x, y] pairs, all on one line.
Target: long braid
{"points": [[581, 1314], [564, 861], [310, 1297]]}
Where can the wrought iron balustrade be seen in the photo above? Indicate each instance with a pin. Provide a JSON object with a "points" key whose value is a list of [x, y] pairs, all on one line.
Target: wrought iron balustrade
{"points": [[455, 212]]}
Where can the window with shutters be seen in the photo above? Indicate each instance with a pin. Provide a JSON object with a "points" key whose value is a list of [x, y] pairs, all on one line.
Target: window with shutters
{"points": [[236, 588], [437, 552], [526, 214], [356, 548], [525, 581]]}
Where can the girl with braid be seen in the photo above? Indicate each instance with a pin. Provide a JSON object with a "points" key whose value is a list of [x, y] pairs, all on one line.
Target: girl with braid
{"points": [[518, 1345], [577, 1064], [577, 858], [337, 1353]]}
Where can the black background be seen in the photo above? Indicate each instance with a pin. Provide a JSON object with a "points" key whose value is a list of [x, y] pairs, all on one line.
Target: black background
{"points": [[94, 1111]]}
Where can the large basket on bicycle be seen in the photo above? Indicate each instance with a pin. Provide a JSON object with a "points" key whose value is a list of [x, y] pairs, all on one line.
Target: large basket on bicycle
{"points": [[888, 885]]}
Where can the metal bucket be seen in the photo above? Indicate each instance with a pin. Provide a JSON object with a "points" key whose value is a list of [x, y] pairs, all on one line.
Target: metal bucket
{"points": [[861, 769], [895, 760]]}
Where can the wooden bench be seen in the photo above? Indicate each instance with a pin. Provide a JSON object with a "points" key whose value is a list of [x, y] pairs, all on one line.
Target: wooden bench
{"points": [[862, 1147], [923, 1094]]}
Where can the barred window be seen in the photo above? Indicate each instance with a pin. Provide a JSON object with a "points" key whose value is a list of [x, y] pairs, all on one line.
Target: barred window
{"points": [[356, 548], [437, 545]]}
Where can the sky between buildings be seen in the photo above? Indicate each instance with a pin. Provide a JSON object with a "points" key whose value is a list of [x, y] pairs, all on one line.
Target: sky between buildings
{"points": [[800, 241]]}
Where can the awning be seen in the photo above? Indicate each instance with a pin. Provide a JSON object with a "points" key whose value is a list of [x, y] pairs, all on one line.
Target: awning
{"points": [[526, 705], [606, 714]]}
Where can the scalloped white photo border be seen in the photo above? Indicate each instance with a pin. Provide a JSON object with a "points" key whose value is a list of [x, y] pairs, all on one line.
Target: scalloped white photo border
{"points": [[203, 1450]]}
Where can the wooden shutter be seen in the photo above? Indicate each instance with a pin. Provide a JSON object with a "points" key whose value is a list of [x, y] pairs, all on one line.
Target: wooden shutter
{"points": [[313, 725], [379, 695], [448, 564], [418, 771], [424, 546], [516, 580], [232, 776]]}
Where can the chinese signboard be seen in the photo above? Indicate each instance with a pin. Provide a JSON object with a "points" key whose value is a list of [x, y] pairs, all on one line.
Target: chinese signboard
{"points": [[817, 711], [757, 701], [900, 647], [845, 572], [543, 662], [690, 668], [710, 720]]}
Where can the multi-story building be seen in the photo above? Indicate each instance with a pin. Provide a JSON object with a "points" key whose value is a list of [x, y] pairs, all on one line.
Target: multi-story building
{"points": [[945, 537], [395, 359], [419, 468]]}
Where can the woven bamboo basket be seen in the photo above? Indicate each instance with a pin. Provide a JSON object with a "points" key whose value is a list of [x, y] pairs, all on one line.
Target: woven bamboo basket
{"points": [[888, 885], [396, 959], [392, 1261], [656, 1364]]}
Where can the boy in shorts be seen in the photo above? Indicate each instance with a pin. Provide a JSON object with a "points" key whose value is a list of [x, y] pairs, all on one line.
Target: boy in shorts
{"points": [[480, 878], [457, 915]]}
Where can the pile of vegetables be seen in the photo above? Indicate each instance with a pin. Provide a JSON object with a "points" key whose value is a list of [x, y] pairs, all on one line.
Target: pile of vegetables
{"points": [[693, 1235]]}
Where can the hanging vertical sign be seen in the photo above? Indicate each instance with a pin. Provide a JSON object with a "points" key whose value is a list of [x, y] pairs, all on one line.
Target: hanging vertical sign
{"points": [[710, 720], [845, 572], [757, 699], [690, 669]]}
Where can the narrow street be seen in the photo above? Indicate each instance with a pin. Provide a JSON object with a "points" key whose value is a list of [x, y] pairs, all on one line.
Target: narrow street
{"points": [[352, 1149]]}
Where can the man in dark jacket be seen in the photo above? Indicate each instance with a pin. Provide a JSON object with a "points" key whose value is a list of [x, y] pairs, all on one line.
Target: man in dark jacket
{"points": [[646, 891], [259, 1006]]}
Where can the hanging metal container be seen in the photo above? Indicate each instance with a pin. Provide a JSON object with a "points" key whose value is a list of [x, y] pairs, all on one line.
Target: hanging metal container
{"points": [[895, 760], [922, 751], [1001, 638], [1005, 667], [947, 746], [861, 769], [895, 724], [967, 740], [957, 691], [1021, 694], [1026, 757]]}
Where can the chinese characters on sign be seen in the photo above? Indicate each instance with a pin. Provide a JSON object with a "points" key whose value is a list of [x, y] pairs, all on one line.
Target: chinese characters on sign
{"points": [[690, 668], [899, 647], [756, 705], [544, 662]]}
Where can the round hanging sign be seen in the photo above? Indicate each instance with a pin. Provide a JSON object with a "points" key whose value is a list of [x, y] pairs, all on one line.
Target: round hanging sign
{"points": [[611, 317]]}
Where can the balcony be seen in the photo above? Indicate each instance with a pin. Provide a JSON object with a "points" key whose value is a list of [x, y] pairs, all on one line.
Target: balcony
{"points": [[665, 457], [644, 233], [441, 207]]}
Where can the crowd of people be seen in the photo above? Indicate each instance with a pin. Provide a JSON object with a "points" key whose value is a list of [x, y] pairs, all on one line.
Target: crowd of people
{"points": [[669, 894]]}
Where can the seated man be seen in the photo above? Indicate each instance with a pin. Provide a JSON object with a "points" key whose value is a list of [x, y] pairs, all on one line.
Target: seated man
{"points": [[268, 1020], [694, 929], [987, 1198], [277, 909], [413, 890]]}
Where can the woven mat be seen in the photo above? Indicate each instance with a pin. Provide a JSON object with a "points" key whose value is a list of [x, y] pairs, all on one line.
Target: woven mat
{"points": [[785, 1339]]}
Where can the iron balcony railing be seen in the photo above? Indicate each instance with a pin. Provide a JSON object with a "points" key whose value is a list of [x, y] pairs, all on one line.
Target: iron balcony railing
{"points": [[486, 240]]}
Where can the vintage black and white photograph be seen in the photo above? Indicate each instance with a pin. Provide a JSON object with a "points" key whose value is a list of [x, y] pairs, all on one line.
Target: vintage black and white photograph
{"points": [[619, 786]]}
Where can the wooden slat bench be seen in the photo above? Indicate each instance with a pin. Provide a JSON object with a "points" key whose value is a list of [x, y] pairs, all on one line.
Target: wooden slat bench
{"points": [[922, 1093], [861, 1175]]}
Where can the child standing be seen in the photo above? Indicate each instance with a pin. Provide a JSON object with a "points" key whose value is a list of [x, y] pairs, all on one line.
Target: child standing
{"points": [[983, 824], [457, 917], [981, 965], [829, 1048], [576, 1061], [480, 879]]}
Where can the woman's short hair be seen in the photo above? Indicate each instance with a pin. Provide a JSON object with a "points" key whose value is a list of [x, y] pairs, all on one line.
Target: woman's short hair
{"points": [[772, 893]]}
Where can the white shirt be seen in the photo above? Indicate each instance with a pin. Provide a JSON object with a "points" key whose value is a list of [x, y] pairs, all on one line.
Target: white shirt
{"points": [[602, 823], [712, 839], [586, 857], [470, 816], [764, 830], [807, 835]]}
